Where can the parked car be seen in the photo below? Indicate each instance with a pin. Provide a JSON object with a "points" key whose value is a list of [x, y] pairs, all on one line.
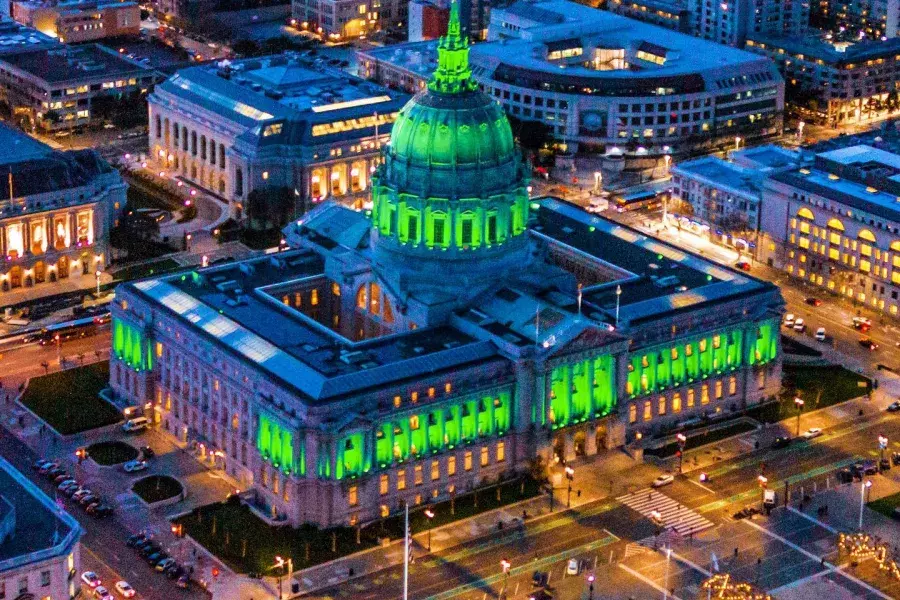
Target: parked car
{"points": [[91, 579], [800, 325], [895, 458], [175, 571], [539, 578], [70, 492], [77, 496], [147, 453], [183, 581], [54, 473], [89, 499], [134, 466], [868, 344], [781, 442], [150, 549], [40, 464], [134, 540], [164, 564], [865, 467], [845, 476], [663, 480], [884, 465], [136, 425], [47, 467], [65, 483], [820, 334], [99, 510], [894, 407], [789, 320], [812, 432], [125, 589], [743, 265], [813, 301], [60, 478]]}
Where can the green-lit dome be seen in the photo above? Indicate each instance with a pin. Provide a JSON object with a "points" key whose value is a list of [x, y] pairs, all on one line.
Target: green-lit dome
{"points": [[460, 129], [453, 180]]}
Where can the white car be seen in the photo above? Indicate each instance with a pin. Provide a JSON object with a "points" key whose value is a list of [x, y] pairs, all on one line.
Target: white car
{"points": [[572, 567], [101, 593], [663, 480], [820, 334], [800, 325], [133, 466], [812, 432], [789, 320], [90, 578], [125, 589]]}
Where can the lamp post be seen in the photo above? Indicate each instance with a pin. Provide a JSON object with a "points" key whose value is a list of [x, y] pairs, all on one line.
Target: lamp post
{"points": [[863, 486], [430, 514], [666, 587], [763, 484], [618, 297], [656, 518], [598, 182], [279, 564], [799, 404], [800, 127], [737, 143], [505, 565], [591, 587], [97, 275], [58, 341], [882, 446], [682, 440], [570, 475]]}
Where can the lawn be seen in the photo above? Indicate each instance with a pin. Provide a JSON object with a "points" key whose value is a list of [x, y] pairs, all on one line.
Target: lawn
{"points": [[146, 269], [69, 400], [246, 543], [111, 453], [156, 488], [818, 387], [791, 346], [886, 505], [697, 440]]}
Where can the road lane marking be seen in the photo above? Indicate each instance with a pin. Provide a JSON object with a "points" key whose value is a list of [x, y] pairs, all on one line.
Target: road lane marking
{"points": [[700, 485], [801, 581], [825, 526], [647, 580], [812, 556], [691, 564], [524, 569]]}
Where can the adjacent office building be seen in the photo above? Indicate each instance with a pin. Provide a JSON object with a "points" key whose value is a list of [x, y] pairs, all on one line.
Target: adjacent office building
{"points": [[836, 224], [442, 340], [55, 88], [278, 121], [874, 19], [731, 22], [603, 82], [336, 20], [671, 14], [39, 542], [55, 227], [79, 21], [833, 83]]}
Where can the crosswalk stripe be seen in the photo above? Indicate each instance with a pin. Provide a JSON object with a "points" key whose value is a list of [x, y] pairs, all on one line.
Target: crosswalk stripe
{"points": [[673, 514]]}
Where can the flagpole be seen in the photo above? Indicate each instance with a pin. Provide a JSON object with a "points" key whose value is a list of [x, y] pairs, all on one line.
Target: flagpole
{"points": [[406, 552], [579, 299]]}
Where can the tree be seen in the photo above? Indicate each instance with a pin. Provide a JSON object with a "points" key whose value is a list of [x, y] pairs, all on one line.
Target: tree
{"points": [[245, 48], [893, 101], [532, 135]]}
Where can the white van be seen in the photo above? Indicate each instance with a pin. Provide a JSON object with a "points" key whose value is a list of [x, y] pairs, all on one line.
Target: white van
{"points": [[135, 425]]}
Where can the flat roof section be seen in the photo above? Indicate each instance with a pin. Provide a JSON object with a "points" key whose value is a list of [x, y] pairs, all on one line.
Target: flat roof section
{"points": [[75, 63], [42, 529], [724, 174]]}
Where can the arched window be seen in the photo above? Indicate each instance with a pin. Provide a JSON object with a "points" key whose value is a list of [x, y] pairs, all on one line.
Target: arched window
{"points": [[194, 143], [362, 297], [835, 224], [184, 138], [158, 127], [202, 147], [867, 235], [805, 213], [238, 182]]}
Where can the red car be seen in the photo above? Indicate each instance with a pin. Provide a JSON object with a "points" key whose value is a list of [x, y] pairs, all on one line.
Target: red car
{"points": [[868, 344], [743, 265], [814, 302]]}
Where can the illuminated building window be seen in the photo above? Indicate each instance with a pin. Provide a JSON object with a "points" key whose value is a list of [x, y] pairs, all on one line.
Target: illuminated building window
{"points": [[718, 389], [451, 466], [662, 405], [401, 480], [501, 451], [385, 511], [397, 401], [704, 394], [485, 456], [353, 496], [632, 413], [314, 298], [648, 410], [431, 392], [414, 423], [435, 470], [383, 484], [717, 341], [159, 349], [417, 475], [676, 402], [732, 386], [467, 460], [448, 388], [414, 397]]}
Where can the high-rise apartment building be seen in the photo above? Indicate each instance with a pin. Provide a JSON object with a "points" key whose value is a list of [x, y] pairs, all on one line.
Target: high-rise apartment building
{"points": [[731, 21]]}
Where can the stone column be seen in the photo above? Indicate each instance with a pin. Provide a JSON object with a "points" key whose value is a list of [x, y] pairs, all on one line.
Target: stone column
{"points": [[590, 439]]}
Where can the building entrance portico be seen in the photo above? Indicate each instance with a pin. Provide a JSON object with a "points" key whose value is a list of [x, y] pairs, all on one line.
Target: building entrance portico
{"points": [[587, 439]]}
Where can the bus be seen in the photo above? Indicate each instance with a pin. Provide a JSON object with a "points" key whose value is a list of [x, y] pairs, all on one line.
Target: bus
{"points": [[651, 200], [70, 330]]}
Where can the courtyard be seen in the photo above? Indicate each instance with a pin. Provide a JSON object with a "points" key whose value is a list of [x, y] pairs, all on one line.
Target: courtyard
{"points": [[69, 400]]}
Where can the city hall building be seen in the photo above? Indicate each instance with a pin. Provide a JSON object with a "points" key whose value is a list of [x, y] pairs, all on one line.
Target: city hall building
{"points": [[277, 121], [442, 340]]}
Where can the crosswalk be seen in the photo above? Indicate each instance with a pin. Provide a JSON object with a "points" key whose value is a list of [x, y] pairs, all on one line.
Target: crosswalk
{"points": [[674, 517]]}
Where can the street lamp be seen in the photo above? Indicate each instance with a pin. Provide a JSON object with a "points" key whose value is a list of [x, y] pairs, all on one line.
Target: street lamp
{"points": [[763, 484], [737, 143], [799, 403], [598, 182], [682, 440], [430, 514], [863, 486], [668, 560], [97, 275], [279, 564], [882, 446], [800, 127], [570, 475], [591, 587], [505, 565], [656, 518]]}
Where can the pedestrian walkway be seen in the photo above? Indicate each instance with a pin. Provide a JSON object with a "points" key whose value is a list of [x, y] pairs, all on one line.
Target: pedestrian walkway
{"points": [[671, 514]]}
